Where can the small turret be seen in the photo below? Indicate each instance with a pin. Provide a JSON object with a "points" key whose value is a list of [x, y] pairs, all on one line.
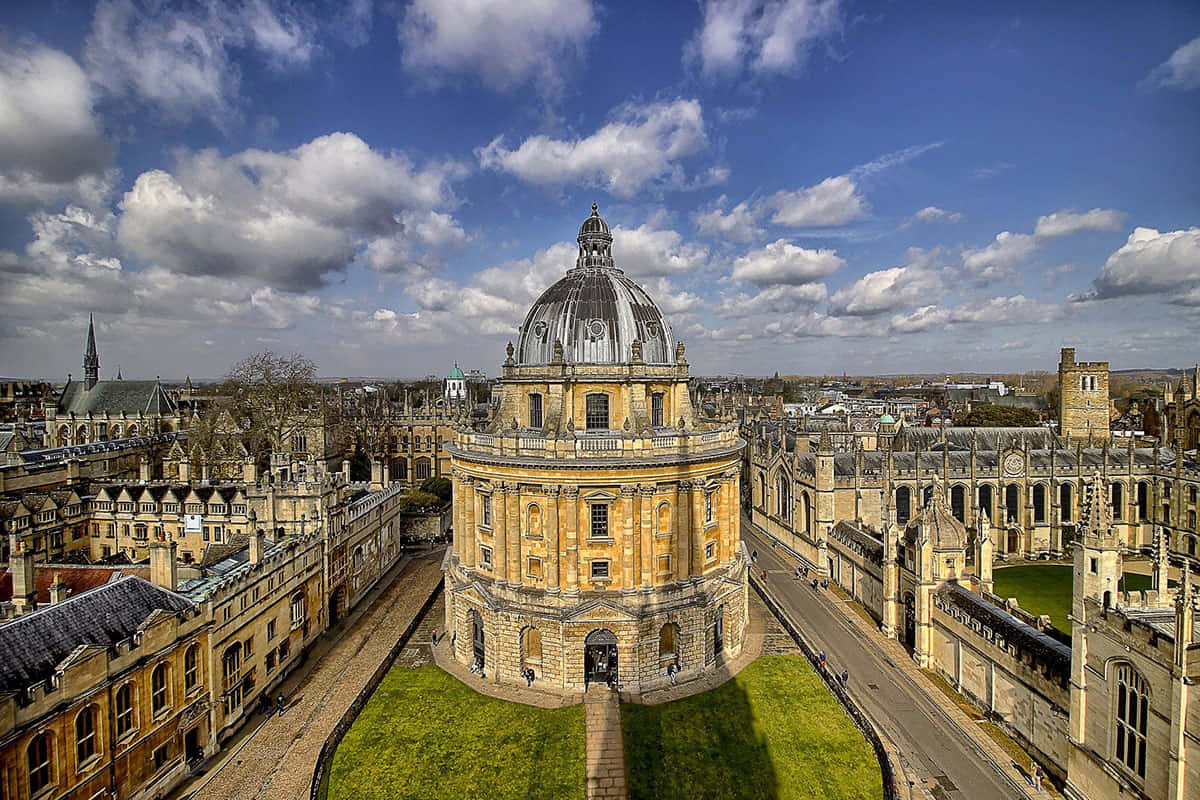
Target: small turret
{"points": [[91, 359]]}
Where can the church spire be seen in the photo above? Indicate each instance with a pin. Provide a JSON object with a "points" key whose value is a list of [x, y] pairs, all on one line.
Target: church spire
{"points": [[91, 360]]}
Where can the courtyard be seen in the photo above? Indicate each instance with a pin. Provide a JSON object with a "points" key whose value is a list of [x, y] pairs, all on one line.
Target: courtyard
{"points": [[1046, 589]]}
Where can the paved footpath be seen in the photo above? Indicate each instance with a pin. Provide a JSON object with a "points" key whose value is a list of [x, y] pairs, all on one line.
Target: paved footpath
{"points": [[276, 760], [941, 749], [605, 748]]}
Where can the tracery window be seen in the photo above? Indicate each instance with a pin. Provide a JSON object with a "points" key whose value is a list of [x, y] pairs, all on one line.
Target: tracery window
{"points": [[1131, 713]]}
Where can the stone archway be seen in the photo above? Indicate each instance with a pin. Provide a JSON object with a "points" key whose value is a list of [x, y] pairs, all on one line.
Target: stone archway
{"points": [[600, 657]]}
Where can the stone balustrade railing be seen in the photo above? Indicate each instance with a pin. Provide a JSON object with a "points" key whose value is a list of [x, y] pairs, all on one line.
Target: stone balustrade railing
{"points": [[598, 445]]}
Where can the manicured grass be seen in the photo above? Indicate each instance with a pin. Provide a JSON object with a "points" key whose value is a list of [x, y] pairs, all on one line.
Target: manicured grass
{"points": [[1046, 589], [425, 735], [774, 732]]}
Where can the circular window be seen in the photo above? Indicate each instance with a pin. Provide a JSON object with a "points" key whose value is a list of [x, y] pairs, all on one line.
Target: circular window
{"points": [[595, 329], [539, 330]]}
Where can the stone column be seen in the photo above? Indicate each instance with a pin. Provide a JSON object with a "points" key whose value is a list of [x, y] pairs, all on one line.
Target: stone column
{"points": [[725, 518], [571, 515], [553, 539], [682, 531], [629, 578], [647, 548], [699, 535], [464, 524], [514, 533], [499, 532]]}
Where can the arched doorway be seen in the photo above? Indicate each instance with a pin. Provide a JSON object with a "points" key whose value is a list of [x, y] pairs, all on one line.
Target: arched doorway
{"points": [[337, 605], [600, 657], [1014, 541], [910, 620], [477, 646]]}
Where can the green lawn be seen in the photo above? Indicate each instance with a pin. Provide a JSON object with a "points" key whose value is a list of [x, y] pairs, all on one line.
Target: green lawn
{"points": [[1046, 589], [773, 733], [425, 735]]}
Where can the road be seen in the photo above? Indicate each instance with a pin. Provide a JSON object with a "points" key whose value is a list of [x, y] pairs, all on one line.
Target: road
{"points": [[933, 748]]}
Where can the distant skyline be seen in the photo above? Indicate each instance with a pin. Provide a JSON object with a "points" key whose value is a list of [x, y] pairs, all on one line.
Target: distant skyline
{"points": [[804, 186]]}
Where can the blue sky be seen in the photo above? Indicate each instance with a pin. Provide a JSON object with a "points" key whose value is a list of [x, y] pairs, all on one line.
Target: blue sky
{"points": [[805, 186]]}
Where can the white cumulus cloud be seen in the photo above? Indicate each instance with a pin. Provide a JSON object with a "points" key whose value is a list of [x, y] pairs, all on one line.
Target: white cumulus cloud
{"points": [[641, 145], [1151, 262], [833, 201], [647, 251], [1066, 223], [501, 43], [782, 262], [1180, 71], [761, 36], [889, 289], [739, 224]]}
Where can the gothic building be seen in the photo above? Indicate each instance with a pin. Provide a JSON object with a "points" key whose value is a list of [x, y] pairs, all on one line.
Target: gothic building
{"points": [[596, 517]]}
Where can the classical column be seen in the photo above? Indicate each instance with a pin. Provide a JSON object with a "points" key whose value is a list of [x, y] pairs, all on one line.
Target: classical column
{"points": [[628, 575], [500, 532], [465, 525], [515, 534], [553, 538], [571, 513], [725, 518], [646, 552], [699, 535], [683, 536]]}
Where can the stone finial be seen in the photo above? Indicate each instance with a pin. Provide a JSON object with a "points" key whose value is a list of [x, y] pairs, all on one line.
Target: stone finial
{"points": [[558, 351], [636, 347], [570, 423], [626, 426], [679, 359], [509, 353]]}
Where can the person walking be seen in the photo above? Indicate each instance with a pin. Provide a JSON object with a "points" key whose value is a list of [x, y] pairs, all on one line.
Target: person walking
{"points": [[845, 676], [282, 707], [754, 556]]}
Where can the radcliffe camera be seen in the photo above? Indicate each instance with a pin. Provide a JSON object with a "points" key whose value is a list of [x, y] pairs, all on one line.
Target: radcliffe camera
{"points": [[599, 400]]}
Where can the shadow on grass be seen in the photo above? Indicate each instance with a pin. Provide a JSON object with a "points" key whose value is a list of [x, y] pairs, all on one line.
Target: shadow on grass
{"points": [[705, 746]]}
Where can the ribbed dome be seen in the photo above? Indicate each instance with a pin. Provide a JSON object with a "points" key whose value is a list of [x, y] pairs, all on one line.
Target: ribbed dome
{"points": [[595, 312]]}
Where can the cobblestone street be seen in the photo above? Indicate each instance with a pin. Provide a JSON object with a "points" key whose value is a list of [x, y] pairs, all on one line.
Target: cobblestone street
{"points": [[276, 760]]}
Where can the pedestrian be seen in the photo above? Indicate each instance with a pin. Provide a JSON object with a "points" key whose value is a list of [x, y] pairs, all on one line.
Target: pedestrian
{"points": [[814, 584], [797, 573], [529, 676], [281, 705], [672, 671], [764, 575], [821, 658], [453, 639], [845, 676], [824, 583], [434, 637], [754, 556]]}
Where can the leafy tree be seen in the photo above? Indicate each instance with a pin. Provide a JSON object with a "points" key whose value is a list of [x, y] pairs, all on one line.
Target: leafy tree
{"points": [[993, 416], [418, 500], [442, 488]]}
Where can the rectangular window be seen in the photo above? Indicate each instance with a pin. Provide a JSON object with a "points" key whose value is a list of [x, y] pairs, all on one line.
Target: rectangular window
{"points": [[485, 511], [485, 556], [270, 629], [597, 412], [161, 756], [535, 411], [664, 565], [285, 647], [249, 646], [270, 660], [1092, 566], [710, 551], [534, 568], [708, 506], [656, 409], [599, 570], [599, 521]]}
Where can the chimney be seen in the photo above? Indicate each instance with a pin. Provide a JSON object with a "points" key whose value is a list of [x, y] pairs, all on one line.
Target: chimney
{"points": [[58, 589], [257, 542], [163, 569], [24, 585]]}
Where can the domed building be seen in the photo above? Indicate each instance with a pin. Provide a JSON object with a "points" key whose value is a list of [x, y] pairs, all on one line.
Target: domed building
{"points": [[596, 519]]}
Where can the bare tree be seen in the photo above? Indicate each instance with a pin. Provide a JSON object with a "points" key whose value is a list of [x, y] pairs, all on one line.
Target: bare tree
{"points": [[274, 396]]}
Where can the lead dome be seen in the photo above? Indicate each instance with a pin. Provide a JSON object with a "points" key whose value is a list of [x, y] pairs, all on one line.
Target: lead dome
{"points": [[595, 311]]}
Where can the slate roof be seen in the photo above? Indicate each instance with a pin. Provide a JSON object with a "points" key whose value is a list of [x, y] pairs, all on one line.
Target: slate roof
{"points": [[32, 646], [116, 397], [985, 438], [77, 578]]}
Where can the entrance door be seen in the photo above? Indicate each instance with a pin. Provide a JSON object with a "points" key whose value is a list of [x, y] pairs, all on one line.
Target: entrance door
{"points": [[477, 638], [1014, 542], [910, 620], [600, 657], [335, 605], [191, 745]]}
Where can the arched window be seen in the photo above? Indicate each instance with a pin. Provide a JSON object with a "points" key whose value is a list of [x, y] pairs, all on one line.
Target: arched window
{"points": [[1143, 501], [958, 503], [1131, 712], [64, 436], [158, 689], [1118, 501], [81, 435], [806, 507], [423, 468], [1012, 498], [124, 709], [1166, 514], [1064, 502], [985, 499], [356, 560], [926, 496], [191, 668], [664, 519], [903, 505], [597, 412], [534, 521], [85, 735], [1191, 520], [783, 497], [668, 642], [535, 411], [231, 675], [531, 647], [133, 431], [1039, 502], [38, 755]]}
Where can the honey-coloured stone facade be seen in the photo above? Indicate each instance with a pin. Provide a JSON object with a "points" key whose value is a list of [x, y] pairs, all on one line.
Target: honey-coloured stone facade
{"points": [[596, 519], [1083, 404]]}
